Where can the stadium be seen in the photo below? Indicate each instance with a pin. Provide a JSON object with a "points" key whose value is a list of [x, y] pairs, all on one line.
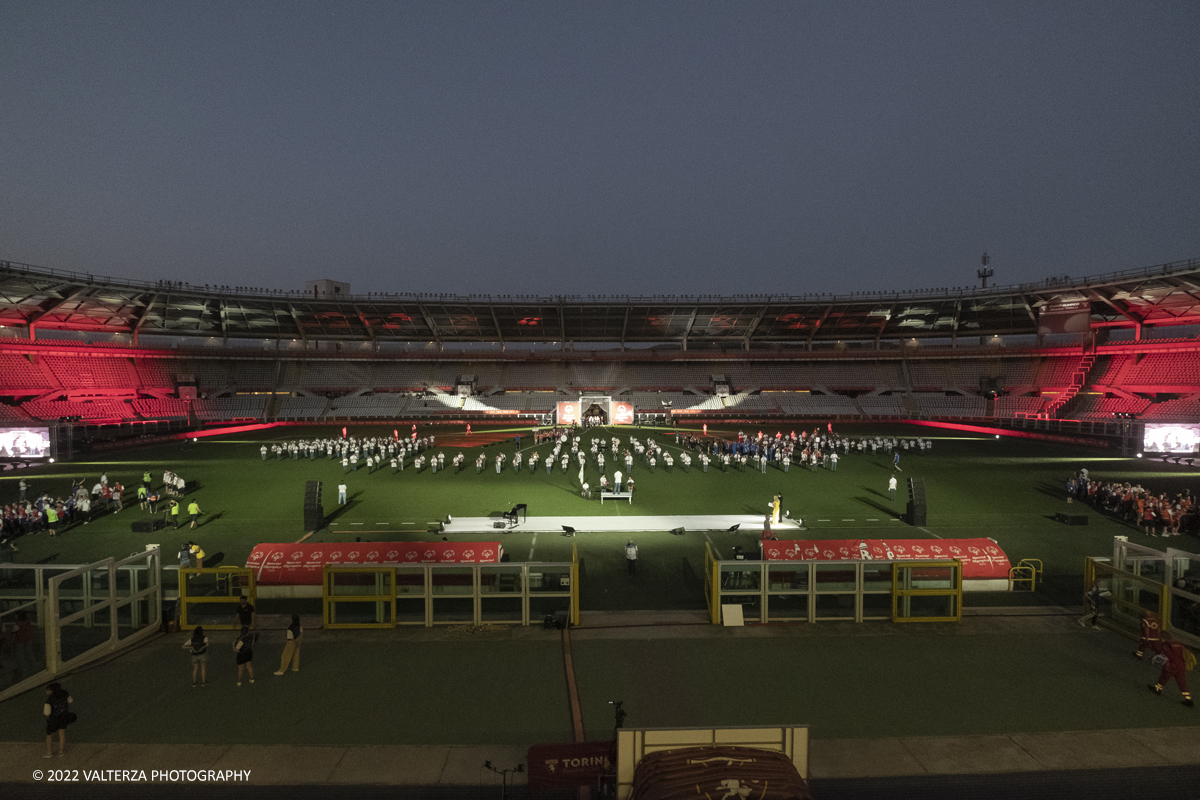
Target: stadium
{"points": [[984, 402]]}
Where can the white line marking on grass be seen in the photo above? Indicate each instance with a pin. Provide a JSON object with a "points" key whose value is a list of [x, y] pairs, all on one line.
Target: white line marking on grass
{"points": [[383, 523], [822, 520], [894, 519], [931, 533], [357, 523], [408, 523], [872, 520], [532, 544], [847, 520]]}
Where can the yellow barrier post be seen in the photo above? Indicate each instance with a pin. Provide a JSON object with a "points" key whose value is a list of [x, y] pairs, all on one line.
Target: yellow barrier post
{"points": [[905, 586], [574, 584], [357, 586], [212, 586]]}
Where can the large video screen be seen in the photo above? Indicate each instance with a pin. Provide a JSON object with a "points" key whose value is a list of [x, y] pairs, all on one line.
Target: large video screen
{"points": [[1161, 438], [24, 442]]}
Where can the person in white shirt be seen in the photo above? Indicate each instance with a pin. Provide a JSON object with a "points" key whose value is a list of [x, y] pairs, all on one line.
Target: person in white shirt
{"points": [[631, 553], [892, 486]]}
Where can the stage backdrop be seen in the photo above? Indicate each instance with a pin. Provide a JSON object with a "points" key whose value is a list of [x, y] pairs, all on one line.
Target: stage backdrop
{"points": [[302, 564]]}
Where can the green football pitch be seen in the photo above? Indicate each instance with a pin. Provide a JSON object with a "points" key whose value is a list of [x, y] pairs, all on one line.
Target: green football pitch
{"points": [[1005, 488]]}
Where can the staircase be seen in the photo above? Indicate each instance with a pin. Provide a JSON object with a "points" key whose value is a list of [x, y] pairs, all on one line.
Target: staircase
{"points": [[1078, 381]]}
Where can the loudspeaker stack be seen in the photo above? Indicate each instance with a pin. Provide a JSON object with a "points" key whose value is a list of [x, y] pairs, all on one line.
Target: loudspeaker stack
{"points": [[314, 511], [916, 501]]}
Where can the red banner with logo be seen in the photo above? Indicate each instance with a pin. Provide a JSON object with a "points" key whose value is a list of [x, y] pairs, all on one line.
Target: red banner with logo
{"points": [[622, 413], [568, 413], [553, 766], [303, 564], [981, 558]]}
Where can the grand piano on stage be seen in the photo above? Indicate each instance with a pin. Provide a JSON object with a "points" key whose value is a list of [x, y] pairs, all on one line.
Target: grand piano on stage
{"points": [[519, 510]]}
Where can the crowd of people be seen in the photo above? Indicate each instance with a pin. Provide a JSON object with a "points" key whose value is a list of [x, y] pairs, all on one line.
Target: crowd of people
{"points": [[576, 447], [37, 512], [243, 647], [372, 453], [1154, 513]]}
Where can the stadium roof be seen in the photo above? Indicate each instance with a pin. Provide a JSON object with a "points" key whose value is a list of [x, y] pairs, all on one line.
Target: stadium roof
{"points": [[39, 298]]}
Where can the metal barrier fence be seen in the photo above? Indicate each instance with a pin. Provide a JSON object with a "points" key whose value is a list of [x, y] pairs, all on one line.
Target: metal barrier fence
{"points": [[815, 591], [1139, 579], [60, 618], [210, 596], [450, 594]]}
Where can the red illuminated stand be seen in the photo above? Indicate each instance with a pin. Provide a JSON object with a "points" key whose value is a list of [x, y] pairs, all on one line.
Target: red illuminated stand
{"points": [[985, 565], [303, 564]]}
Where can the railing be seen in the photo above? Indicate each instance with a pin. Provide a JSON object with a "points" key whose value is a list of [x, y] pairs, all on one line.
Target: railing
{"points": [[450, 594], [63, 618], [814, 591], [1064, 282], [1027, 571], [211, 596]]}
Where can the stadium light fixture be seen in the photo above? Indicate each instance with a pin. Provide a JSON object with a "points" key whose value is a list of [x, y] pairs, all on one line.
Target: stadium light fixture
{"points": [[1139, 455]]}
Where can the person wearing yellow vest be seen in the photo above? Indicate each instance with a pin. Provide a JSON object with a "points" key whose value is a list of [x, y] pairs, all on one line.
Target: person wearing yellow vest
{"points": [[175, 512], [194, 512], [52, 519]]}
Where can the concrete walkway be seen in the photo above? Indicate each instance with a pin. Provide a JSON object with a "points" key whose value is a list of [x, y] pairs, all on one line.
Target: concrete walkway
{"points": [[433, 765]]}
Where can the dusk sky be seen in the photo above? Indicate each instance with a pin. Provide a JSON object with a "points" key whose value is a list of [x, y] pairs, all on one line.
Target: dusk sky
{"points": [[599, 147]]}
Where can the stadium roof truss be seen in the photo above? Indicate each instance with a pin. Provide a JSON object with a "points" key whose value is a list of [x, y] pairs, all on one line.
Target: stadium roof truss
{"points": [[34, 297]]}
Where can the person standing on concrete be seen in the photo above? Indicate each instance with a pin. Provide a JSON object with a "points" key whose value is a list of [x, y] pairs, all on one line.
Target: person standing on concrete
{"points": [[631, 551], [1091, 605], [291, 650], [197, 645], [57, 712], [892, 486], [245, 613], [1151, 637], [244, 647], [1175, 666]]}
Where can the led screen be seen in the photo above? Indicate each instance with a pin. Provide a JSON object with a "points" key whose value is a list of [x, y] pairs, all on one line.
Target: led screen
{"points": [[1160, 438], [24, 442]]}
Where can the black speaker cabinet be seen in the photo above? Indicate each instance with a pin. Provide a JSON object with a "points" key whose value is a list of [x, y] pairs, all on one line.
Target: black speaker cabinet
{"points": [[1072, 519]]}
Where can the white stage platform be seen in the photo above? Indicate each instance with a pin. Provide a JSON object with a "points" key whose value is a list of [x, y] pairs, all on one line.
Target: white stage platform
{"points": [[692, 522]]}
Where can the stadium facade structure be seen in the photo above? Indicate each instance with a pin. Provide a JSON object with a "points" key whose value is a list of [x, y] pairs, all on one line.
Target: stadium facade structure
{"points": [[1065, 354]]}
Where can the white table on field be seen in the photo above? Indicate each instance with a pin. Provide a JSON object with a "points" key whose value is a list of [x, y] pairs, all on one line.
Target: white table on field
{"points": [[606, 494]]}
